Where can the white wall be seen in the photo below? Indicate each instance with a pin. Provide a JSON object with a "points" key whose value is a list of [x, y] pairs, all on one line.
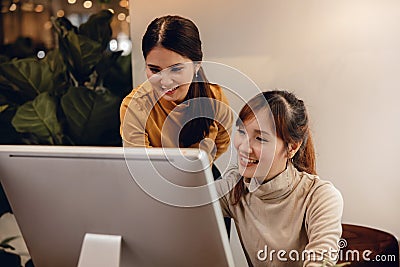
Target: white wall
{"points": [[342, 57]]}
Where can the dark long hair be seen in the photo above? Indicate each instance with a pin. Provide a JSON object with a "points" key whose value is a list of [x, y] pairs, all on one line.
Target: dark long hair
{"points": [[291, 125], [182, 36]]}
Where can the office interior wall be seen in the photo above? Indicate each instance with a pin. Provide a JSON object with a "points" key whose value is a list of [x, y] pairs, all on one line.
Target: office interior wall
{"points": [[342, 57]]}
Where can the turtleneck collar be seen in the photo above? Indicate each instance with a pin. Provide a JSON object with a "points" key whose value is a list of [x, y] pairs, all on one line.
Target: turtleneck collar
{"points": [[278, 187]]}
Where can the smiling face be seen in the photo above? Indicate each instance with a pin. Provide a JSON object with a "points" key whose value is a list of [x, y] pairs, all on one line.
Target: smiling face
{"points": [[169, 73], [261, 154]]}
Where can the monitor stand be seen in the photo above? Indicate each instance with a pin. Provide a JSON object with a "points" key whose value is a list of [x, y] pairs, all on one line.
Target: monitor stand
{"points": [[100, 250]]}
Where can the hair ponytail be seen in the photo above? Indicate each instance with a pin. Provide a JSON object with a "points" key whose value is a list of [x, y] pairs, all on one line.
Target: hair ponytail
{"points": [[304, 159]]}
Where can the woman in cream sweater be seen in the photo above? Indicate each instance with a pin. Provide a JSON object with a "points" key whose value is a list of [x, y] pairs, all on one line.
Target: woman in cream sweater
{"points": [[284, 213]]}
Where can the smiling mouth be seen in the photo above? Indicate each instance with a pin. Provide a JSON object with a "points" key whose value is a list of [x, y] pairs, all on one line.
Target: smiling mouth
{"points": [[171, 91], [248, 161]]}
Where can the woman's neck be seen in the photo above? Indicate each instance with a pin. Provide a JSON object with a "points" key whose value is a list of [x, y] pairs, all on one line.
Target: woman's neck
{"points": [[270, 176]]}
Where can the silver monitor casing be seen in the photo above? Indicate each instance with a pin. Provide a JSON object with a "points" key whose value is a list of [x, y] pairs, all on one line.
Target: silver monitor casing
{"points": [[58, 194]]}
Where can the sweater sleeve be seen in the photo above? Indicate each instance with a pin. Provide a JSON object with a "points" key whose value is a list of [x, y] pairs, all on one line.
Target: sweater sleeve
{"points": [[323, 225], [221, 186], [133, 123], [224, 188], [224, 121]]}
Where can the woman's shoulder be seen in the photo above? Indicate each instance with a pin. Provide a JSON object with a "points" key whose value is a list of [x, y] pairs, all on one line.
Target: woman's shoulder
{"points": [[324, 204], [216, 91], [141, 91], [319, 189], [140, 95]]}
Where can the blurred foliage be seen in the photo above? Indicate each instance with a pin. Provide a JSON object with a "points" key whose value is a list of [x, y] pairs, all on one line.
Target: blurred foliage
{"points": [[23, 47], [72, 96]]}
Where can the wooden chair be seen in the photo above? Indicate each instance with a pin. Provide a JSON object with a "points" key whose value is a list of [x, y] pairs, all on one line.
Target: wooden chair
{"points": [[383, 246]]}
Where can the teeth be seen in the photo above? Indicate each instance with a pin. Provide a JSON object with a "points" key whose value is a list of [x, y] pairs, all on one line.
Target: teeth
{"points": [[173, 89], [246, 160]]}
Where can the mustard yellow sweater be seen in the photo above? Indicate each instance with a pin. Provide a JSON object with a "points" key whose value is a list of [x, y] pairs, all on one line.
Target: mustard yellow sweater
{"points": [[147, 121]]}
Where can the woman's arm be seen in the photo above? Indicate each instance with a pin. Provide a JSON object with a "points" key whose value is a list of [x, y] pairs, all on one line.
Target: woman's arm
{"points": [[323, 225], [222, 186], [225, 187], [133, 123]]}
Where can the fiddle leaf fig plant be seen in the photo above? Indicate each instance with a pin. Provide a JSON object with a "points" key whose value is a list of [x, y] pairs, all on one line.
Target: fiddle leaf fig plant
{"points": [[39, 117], [72, 96], [88, 111], [31, 75]]}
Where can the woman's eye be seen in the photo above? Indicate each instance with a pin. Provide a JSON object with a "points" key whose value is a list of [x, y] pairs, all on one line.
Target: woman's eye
{"points": [[261, 139], [154, 70], [241, 132], [176, 69]]}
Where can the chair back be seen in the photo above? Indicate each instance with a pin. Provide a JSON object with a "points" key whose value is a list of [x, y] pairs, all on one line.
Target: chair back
{"points": [[364, 246]]}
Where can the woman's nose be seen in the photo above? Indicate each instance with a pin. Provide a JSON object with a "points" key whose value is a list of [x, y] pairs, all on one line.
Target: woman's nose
{"points": [[245, 146], [165, 80]]}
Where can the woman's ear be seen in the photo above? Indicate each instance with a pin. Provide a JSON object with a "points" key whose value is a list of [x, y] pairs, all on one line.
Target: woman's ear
{"points": [[292, 149]]}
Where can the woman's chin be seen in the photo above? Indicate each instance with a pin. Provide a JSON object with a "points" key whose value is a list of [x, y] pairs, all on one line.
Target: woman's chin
{"points": [[245, 172], [168, 98], [172, 98]]}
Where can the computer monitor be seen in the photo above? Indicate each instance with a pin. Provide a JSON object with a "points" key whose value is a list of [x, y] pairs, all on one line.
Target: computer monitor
{"points": [[162, 202]]}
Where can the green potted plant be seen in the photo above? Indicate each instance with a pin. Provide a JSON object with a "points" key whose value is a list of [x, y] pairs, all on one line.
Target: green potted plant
{"points": [[72, 96]]}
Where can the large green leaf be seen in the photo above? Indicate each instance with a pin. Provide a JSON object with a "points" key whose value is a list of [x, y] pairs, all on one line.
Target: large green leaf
{"points": [[108, 60], [118, 77], [98, 28], [56, 64], [31, 76], [90, 115], [91, 52], [55, 61], [10, 93], [8, 135], [39, 118], [62, 23], [81, 54]]}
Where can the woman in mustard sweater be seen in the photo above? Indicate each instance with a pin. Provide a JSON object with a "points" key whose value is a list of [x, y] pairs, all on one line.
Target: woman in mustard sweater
{"points": [[284, 213], [176, 106]]}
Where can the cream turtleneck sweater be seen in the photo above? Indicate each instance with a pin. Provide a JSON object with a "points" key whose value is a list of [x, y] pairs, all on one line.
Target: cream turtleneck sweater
{"points": [[277, 222]]}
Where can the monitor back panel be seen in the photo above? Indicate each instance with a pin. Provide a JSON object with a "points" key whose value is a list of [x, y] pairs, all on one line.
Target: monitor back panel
{"points": [[58, 194]]}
